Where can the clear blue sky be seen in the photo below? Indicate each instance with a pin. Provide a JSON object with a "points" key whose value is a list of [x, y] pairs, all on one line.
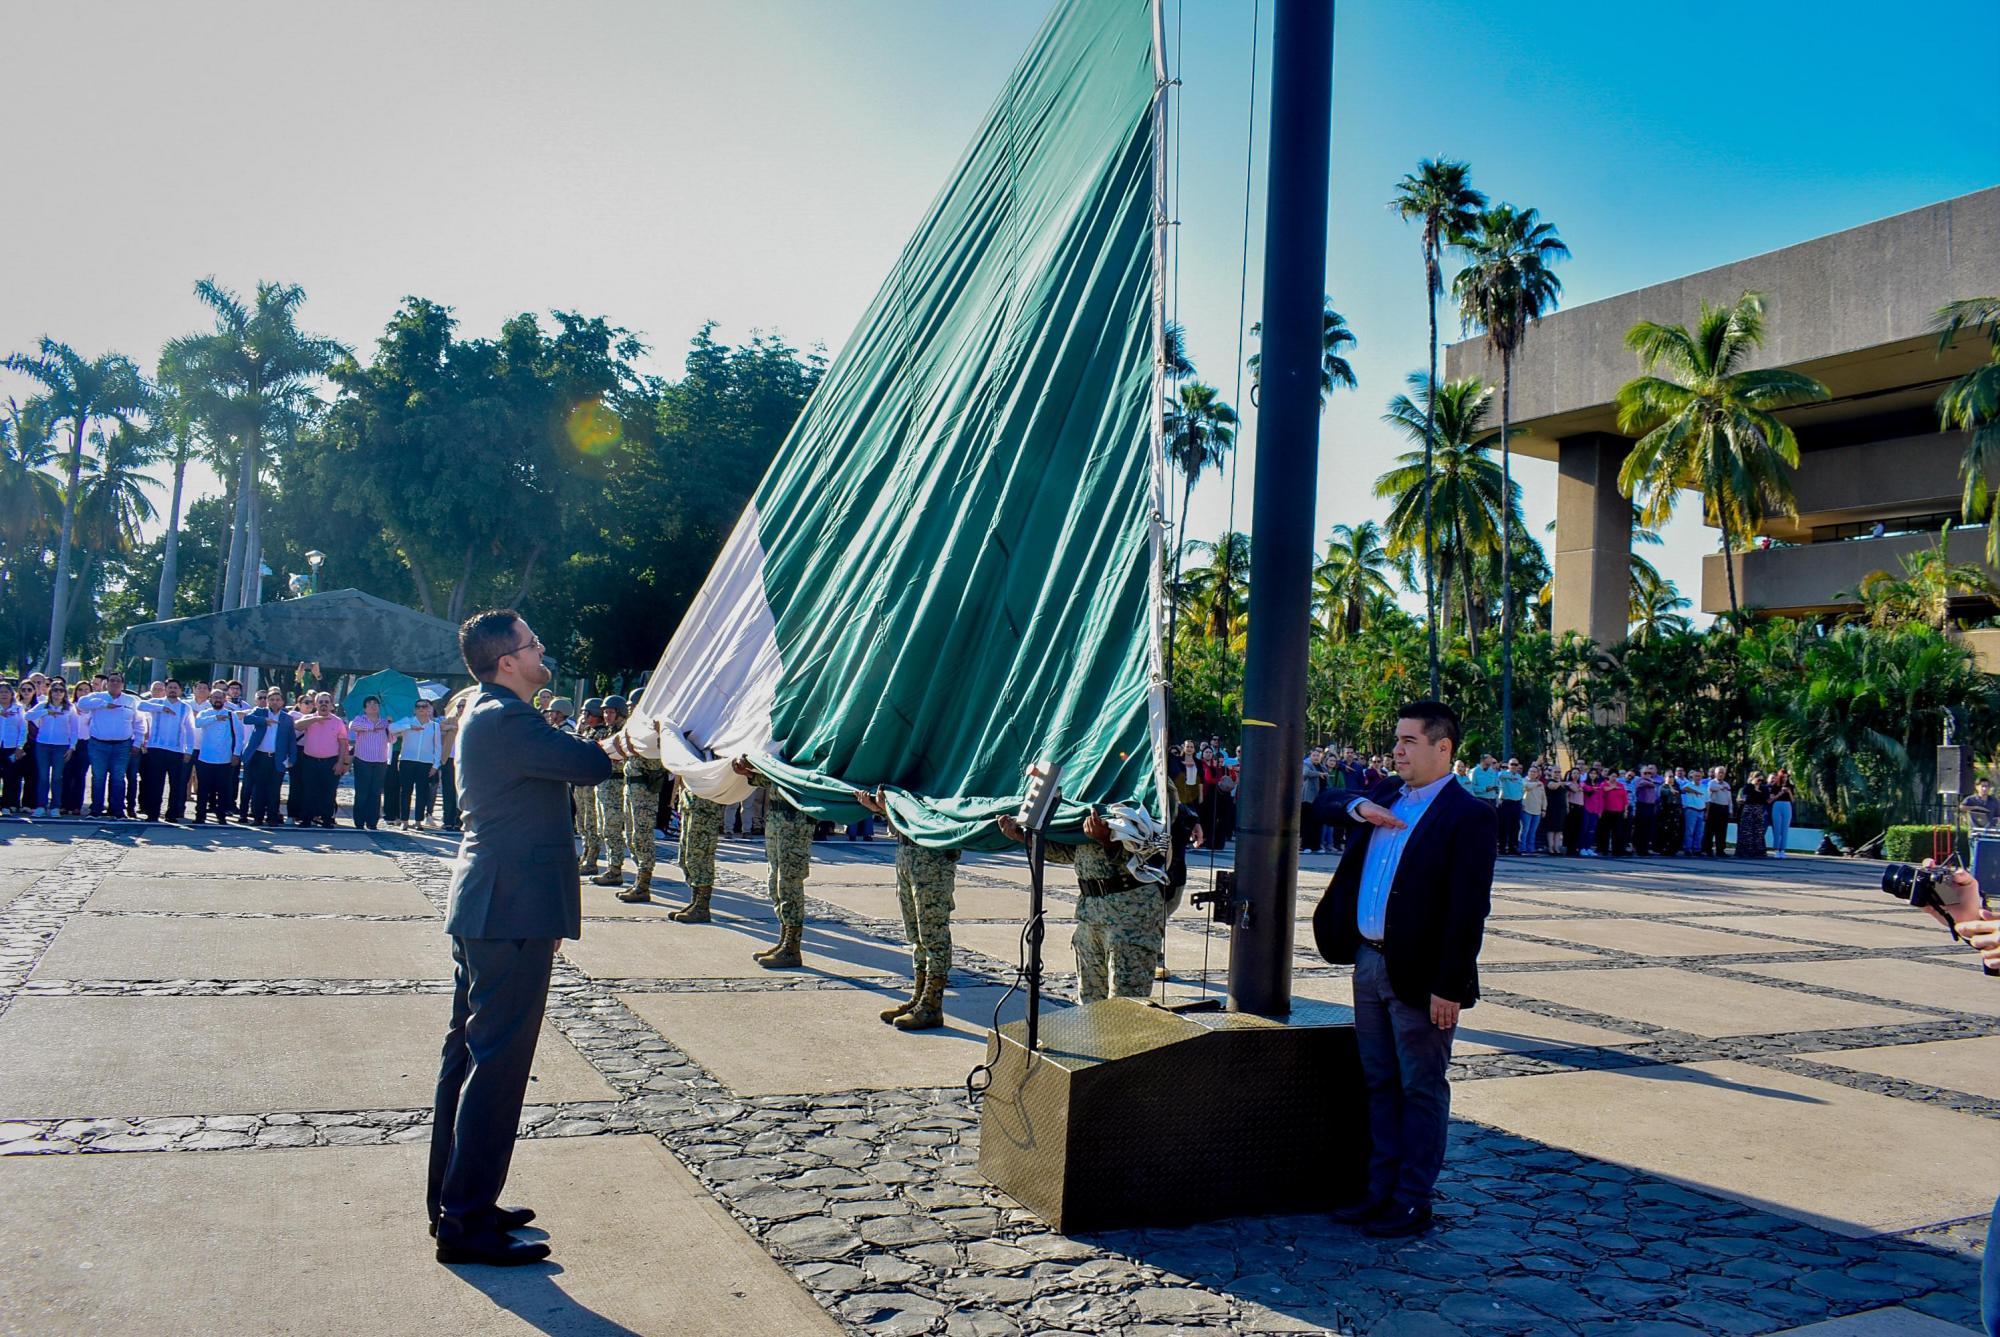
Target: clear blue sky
{"points": [[761, 162]]}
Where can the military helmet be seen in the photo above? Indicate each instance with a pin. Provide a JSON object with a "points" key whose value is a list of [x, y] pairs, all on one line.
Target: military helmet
{"points": [[563, 705], [593, 705], [617, 703]]}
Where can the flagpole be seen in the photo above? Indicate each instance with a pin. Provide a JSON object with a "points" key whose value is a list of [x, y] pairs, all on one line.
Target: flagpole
{"points": [[1159, 646], [1274, 683]]}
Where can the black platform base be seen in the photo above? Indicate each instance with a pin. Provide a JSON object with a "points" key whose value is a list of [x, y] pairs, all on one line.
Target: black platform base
{"points": [[1129, 1115]]}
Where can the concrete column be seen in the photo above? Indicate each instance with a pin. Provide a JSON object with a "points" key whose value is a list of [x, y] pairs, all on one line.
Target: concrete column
{"points": [[1593, 538]]}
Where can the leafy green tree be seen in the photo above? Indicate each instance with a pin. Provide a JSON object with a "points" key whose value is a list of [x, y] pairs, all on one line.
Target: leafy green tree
{"points": [[1220, 585], [1464, 483], [1440, 197], [77, 392], [1508, 284], [1201, 431], [1709, 426], [1354, 568], [1924, 589], [250, 376], [30, 501], [1658, 608], [1971, 404]]}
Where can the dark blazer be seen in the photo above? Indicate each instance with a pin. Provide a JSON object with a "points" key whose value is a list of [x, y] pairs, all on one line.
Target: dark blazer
{"points": [[284, 750], [516, 876], [1437, 904]]}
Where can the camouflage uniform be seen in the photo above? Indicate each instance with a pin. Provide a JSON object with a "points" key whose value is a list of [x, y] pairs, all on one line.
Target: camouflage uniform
{"points": [[788, 837], [925, 881], [610, 805], [587, 821], [643, 780], [701, 830], [1117, 932]]}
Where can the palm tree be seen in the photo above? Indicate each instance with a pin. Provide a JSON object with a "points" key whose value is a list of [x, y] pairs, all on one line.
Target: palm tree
{"points": [[256, 367], [1463, 483], [1439, 195], [74, 391], [1713, 428], [1200, 433], [1924, 591], [1334, 369], [1658, 609], [1350, 575], [1972, 404], [1506, 286], [176, 410], [1220, 585], [112, 506], [1174, 352], [30, 501]]}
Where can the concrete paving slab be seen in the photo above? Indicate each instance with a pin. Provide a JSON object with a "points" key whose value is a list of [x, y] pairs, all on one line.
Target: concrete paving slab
{"points": [[126, 947], [669, 895], [14, 883], [1687, 1000], [1898, 1321], [220, 858], [1495, 950], [1839, 931], [25, 852], [631, 951], [1620, 902], [1491, 1028], [809, 1041], [258, 895], [154, 1056], [331, 1241], [1651, 937], [1972, 1065], [1953, 982], [1736, 1129], [968, 902], [1002, 942]]}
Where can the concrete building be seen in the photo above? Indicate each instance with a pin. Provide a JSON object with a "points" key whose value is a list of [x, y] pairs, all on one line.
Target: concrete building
{"points": [[1853, 310]]}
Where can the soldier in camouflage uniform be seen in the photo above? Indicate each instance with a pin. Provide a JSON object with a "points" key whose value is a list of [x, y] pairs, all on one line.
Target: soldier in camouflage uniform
{"points": [[788, 837], [644, 778], [1121, 921], [593, 728], [701, 832], [926, 882], [611, 804]]}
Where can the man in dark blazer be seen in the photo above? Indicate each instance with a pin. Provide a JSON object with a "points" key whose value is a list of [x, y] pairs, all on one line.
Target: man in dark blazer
{"points": [[514, 897], [1406, 909], [264, 766]]}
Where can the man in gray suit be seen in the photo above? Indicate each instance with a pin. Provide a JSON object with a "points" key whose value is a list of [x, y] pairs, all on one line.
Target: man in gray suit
{"points": [[514, 897]]}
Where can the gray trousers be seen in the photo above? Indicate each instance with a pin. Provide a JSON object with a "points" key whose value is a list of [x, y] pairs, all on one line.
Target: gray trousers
{"points": [[1403, 1062], [499, 989]]}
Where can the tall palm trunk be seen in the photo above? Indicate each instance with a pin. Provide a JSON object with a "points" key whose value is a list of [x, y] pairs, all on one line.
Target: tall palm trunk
{"points": [[163, 606], [1430, 443], [58, 605], [1174, 595], [1506, 557], [1729, 565], [239, 526], [1471, 618]]}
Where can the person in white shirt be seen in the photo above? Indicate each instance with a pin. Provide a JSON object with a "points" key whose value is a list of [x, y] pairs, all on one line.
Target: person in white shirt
{"points": [[219, 730], [164, 765], [112, 720], [56, 726], [16, 770], [423, 752]]}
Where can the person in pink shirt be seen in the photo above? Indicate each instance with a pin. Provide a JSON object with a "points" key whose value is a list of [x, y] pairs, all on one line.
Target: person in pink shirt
{"points": [[1612, 825], [323, 756], [1592, 790], [368, 734]]}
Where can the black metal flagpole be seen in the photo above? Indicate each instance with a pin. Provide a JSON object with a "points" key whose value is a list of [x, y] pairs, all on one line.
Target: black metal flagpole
{"points": [[1274, 685]]}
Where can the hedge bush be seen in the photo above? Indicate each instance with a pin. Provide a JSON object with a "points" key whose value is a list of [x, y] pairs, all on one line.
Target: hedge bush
{"points": [[1914, 844]]}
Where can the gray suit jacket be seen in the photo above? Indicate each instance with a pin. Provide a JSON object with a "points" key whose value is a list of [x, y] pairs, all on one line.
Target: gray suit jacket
{"points": [[516, 871]]}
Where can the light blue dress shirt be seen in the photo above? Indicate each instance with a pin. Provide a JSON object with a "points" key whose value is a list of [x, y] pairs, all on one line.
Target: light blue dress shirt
{"points": [[1385, 852]]}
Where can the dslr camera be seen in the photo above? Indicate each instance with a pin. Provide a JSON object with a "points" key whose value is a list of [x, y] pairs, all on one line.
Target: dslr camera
{"points": [[1919, 886]]}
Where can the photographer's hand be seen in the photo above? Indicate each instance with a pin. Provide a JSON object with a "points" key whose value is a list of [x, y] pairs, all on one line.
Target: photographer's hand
{"points": [[1969, 906], [1984, 934]]}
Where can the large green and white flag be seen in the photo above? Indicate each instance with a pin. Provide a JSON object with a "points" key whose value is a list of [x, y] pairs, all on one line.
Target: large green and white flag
{"points": [[952, 568]]}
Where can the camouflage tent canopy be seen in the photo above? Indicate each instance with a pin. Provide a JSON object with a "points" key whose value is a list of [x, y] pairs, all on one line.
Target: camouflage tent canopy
{"points": [[344, 631]]}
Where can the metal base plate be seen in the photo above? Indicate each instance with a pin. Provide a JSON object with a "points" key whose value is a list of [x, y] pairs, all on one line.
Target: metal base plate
{"points": [[1129, 1115]]}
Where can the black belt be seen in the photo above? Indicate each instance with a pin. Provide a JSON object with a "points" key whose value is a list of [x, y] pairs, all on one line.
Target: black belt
{"points": [[1105, 886], [1376, 943]]}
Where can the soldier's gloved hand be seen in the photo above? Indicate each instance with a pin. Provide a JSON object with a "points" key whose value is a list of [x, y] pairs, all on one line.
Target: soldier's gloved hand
{"points": [[1097, 828], [1011, 828]]}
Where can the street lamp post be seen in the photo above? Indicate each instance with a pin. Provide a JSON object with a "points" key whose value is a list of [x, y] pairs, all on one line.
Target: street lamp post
{"points": [[315, 560]]}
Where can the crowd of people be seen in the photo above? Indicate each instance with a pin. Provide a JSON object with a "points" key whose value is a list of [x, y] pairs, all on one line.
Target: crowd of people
{"points": [[262, 758]]}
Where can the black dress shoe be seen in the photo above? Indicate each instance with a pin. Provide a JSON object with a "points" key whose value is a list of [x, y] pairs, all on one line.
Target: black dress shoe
{"points": [[1399, 1222], [1360, 1211], [493, 1251], [503, 1219]]}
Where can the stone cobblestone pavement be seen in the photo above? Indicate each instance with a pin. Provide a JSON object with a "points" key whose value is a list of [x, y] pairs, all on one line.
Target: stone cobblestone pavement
{"points": [[1644, 1154]]}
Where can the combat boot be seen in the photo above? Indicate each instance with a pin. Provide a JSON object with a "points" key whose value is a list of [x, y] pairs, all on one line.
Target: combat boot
{"points": [[641, 890], [916, 991], [587, 865], [928, 1013], [614, 876], [696, 910], [786, 953]]}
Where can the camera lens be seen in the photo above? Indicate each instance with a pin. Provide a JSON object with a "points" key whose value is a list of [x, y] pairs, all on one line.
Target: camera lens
{"points": [[1899, 880]]}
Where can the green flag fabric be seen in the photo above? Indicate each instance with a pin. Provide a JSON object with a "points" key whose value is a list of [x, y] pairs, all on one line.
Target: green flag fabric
{"points": [[950, 570]]}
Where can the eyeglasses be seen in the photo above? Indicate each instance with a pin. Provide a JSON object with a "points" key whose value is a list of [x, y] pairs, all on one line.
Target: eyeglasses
{"points": [[532, 643]]}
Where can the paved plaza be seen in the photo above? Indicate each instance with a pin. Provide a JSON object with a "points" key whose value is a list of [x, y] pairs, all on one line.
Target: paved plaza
{"points": [[1698, 1097]]}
